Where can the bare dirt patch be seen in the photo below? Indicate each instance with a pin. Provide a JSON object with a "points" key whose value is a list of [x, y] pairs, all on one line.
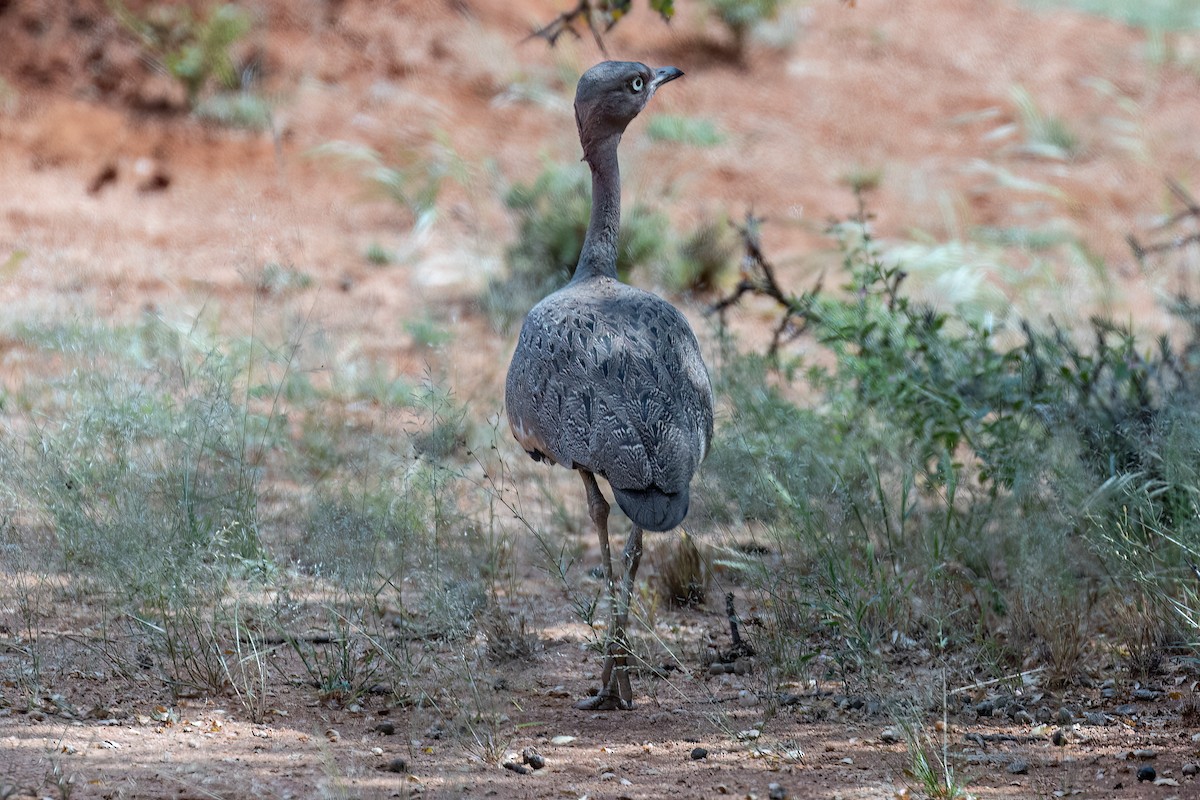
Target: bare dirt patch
{"points": [[115, 205]]}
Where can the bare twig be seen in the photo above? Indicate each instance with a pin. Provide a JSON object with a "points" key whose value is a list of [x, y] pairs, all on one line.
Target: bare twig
{"points": [[565, 23], [1191, 210], [740, 646], [1191, 207], [758, 278]]}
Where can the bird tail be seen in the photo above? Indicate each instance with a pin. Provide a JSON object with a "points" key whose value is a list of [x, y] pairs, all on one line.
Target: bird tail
{"points": [[653, 509]]}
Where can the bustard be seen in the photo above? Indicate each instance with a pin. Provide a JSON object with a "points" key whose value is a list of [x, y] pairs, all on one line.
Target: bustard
{"points": [[608, 379]]}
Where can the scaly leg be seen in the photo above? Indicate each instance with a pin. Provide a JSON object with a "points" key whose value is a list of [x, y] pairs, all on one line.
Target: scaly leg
{"points": [[632, 557], [614, 681]]}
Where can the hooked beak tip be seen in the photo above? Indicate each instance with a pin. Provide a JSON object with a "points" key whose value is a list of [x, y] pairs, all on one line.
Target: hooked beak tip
{"points": [[666, 74]]}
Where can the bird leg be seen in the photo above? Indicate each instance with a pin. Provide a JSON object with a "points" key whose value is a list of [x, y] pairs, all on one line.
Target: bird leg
{"points": [[615, 690], [632, 556]]}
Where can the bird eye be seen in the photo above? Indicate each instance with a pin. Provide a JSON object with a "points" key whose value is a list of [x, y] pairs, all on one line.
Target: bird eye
{"points": [[636, 84]]}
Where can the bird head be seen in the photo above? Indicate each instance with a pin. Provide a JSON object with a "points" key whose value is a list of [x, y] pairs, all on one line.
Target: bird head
{"points": [[611, 94]]}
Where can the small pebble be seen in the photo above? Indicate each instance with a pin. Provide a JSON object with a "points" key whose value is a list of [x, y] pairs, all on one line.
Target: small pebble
{"points": [[776, 792], [889, 736], [608, 776], [1146, 773], [1125, 710], [1145, 754], [1018, 766], [1095, 718], [1190, 769], [1145, 694], [699, 753]]}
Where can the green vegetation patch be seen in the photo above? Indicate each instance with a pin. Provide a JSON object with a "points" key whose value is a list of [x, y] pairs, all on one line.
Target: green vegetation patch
{"points": [[1150, 14], [695, 131]]}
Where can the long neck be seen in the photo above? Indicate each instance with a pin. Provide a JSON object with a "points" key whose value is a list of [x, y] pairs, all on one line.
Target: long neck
{"points": [[599, 256]]}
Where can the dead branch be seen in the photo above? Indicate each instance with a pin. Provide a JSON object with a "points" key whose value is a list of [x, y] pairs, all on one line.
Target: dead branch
{"points": [[1190, 210], [758, 278], [565, 23]]}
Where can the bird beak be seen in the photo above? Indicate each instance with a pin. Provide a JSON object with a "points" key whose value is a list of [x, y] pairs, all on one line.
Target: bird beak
{"points": [[664, 74]]}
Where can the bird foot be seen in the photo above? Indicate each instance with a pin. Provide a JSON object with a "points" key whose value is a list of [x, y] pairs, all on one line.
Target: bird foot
{"points": [[605, 701]]}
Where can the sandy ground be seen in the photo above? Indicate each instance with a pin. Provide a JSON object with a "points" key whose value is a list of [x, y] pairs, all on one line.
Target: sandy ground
{"points": [[112, 208]]}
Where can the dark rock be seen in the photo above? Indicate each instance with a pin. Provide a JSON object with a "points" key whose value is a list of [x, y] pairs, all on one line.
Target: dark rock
{"points": [[776, 792], [699, 753], [1044, 714], [1125, 710], [1095, 718], [1018, 766], [1190, 768], [984, 708], [1146, 773], [396, 765], [533, 758], [520, 769], [1059, 738], [1065, 716], [386, 728], [1145, 694]]}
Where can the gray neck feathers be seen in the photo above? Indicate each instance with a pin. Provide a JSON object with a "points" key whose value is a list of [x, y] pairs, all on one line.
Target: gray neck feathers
{"points": [[599, 256]]}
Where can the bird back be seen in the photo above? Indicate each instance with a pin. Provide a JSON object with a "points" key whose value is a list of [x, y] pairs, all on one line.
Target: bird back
{"points": [[609, 378]]}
